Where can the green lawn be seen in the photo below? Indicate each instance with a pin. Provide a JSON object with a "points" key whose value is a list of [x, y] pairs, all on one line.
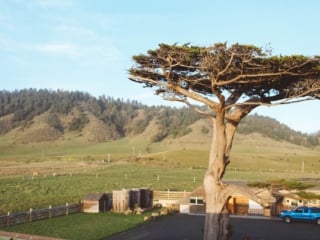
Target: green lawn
{"points": [[81, 226]]}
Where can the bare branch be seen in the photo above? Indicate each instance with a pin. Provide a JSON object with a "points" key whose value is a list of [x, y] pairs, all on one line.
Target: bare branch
{"points": [[264, 197], [233, 98], [281, 102], [197, 97], [227, 67], [134, 78], [198, 110]]}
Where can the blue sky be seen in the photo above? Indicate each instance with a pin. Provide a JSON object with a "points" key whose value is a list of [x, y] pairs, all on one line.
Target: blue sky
{"points": [[87, 45]]}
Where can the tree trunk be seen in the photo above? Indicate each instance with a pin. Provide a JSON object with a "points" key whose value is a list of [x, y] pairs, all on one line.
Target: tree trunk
{"points": [[217, 193], [216, 221]]}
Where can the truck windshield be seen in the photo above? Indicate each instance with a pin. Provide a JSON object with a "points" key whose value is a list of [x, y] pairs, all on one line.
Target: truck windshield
{"points": [[297, 209]]}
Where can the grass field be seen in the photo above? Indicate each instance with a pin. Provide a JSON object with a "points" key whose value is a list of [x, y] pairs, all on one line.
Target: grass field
{"points": [[44, 191], [81, 226], [38, 175], [46, 173]]}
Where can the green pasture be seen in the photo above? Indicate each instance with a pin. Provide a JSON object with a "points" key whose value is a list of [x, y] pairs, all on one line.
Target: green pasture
{"points": [[18, 194], [134, 163], [75, 149], [81, 225], [258, 153], [294, 159]]}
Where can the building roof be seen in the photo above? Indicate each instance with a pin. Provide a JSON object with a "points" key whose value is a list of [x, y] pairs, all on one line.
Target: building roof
{"points": [[199, 191], [94, 196]]}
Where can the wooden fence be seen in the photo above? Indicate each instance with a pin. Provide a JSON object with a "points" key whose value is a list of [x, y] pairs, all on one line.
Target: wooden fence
{"points": [[170, 195], [277, 208], [38, 214]]}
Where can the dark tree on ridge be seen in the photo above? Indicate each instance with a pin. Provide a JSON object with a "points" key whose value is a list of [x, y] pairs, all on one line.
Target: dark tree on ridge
{"points": [[230, 81]]}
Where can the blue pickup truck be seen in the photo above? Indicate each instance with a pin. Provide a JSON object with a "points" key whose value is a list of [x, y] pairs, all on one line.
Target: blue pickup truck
{"points": [[311, 214]]}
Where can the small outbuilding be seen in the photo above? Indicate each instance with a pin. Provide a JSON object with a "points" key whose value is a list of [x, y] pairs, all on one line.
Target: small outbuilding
{"points": [[129, 199], [146, 198], [120, 200], [97, 202]]}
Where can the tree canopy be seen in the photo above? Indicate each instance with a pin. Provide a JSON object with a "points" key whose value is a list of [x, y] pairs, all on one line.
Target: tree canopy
{"points": [[236, 74]]}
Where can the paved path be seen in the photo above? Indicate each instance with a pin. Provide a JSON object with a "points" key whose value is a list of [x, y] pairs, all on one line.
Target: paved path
{"points": [[190, 227]]}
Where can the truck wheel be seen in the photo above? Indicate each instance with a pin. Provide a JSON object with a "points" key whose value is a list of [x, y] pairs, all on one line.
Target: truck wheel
{"points": [[287, 220], [318, 221]]}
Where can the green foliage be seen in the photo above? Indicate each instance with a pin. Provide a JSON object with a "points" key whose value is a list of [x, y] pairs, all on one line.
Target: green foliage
{"points": [[295, 185], [27, 103], [270, 127], [281, 184], [158, 137], [244, 69], [259, 184], [205, 130], [140, 125], [175, 122], [78, 123], [123, 118], [308, 195], [54, 121]]}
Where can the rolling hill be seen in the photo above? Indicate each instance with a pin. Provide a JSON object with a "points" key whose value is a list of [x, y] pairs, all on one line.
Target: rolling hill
{"points": [[34, 116]]}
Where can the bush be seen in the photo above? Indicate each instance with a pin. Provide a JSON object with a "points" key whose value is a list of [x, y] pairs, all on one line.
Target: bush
{"points": [[308, 195]]}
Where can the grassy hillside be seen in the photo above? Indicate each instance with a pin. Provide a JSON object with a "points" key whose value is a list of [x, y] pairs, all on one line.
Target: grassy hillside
{"points": [[250, 151], [35, 116], [88, 144], [52, 174]]}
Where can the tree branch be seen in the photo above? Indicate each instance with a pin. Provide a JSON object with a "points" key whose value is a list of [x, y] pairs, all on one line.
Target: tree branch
{"points": [[240, 110], [259, 77], [263, 197], [196, 97], [227, 66], [198, 110], [233, 98]]}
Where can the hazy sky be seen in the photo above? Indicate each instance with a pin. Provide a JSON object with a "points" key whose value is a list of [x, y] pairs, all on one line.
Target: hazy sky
{"points": [[87, 45]]}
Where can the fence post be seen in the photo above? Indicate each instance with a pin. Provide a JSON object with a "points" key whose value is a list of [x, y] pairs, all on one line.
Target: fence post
{"points": [[67, 209], [81, 206], [8, 219], [50, 207], [30, 215]]}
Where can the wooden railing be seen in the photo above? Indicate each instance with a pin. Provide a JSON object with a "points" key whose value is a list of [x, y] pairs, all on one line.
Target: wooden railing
{"points": [[38, 214], [170, 195]]}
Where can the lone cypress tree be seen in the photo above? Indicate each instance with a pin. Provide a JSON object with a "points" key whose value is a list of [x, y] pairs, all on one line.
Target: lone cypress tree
{"points": [[230, 81]]}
